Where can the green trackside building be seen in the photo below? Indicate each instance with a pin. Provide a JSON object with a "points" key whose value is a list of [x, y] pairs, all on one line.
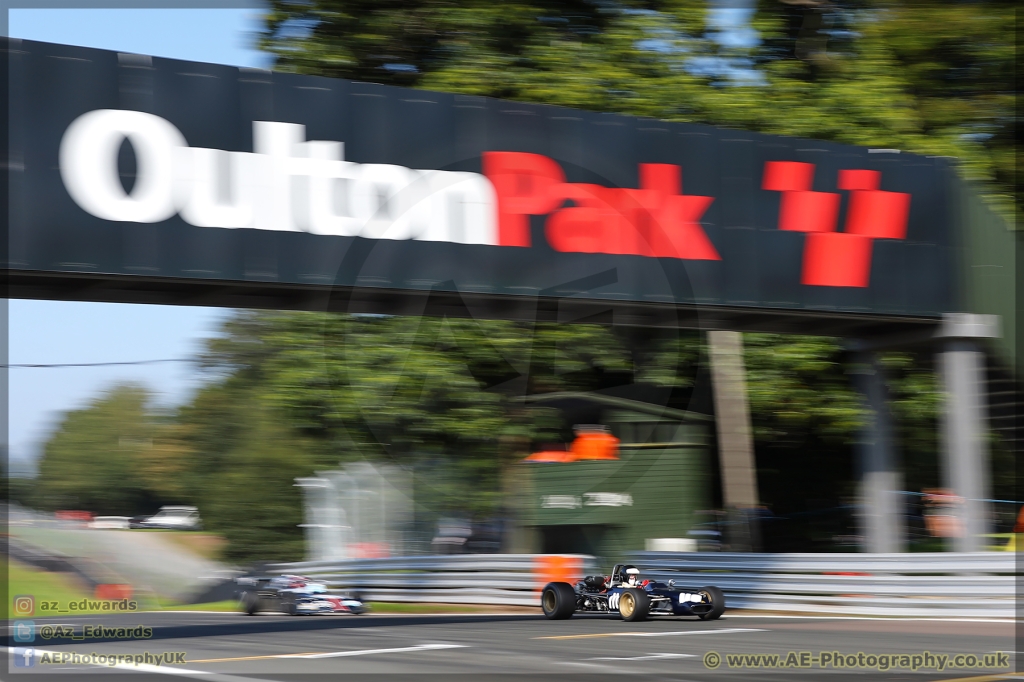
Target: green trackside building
{"points": [[645, 499]]}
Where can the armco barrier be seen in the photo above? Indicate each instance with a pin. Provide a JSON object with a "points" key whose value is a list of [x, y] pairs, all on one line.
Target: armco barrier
{"points": [[503, 579], [979, 585]]}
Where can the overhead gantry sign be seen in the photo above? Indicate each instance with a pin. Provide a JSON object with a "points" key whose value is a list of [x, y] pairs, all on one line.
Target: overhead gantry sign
{"points": [[141, 178]]}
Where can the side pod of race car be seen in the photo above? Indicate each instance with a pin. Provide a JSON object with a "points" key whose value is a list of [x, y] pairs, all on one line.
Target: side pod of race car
{"points": [[631, 597], [294, 595]]}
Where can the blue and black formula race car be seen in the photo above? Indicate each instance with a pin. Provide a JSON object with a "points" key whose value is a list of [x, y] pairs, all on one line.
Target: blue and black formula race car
{"points": [[294, 595], [633, 598]]}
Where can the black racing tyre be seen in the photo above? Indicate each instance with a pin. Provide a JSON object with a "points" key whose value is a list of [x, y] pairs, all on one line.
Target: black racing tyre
{"points": [[291, 609], [558, 601], [717, 599], [634, 605], [250, 603]]}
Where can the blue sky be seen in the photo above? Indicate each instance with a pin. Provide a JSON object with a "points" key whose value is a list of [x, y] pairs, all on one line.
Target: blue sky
{"points": [[53, 332]]}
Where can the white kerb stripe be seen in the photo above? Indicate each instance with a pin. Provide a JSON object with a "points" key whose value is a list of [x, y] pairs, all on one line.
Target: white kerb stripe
{"points": [[651, 657], [722, 631], [371, 652]]}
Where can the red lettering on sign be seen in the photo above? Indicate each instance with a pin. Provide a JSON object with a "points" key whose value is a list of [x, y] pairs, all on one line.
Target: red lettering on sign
{"points": [[836, 259], [592, 226], [523, 184], [655, 220], [672, 219]]}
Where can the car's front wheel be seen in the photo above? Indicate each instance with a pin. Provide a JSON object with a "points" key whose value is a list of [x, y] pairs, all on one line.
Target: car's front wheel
{"points": [[558, 601], [713, 596]]}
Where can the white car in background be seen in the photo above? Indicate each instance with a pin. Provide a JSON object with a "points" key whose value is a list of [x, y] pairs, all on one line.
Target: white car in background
{"points": [[174, 518]]}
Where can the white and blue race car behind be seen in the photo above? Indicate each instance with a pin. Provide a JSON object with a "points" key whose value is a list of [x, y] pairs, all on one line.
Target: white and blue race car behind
{"points": [[294, 595]]}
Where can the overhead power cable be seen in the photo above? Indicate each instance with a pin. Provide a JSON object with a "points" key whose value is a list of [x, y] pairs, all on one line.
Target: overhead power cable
{"points": [[96, 364]]}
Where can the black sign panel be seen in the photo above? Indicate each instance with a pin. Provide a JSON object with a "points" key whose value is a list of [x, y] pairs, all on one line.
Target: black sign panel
{"points": [[163, 172]]}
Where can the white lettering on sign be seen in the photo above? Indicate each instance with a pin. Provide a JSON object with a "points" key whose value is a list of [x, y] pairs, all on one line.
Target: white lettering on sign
{"points": [[88, 165], [286, 183], [608, 499], [560, 502]]}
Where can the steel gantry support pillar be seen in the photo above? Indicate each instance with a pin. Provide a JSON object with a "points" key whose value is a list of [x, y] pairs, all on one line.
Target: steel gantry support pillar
{"points": [[881, 485], [965, 457], [735, 439]]}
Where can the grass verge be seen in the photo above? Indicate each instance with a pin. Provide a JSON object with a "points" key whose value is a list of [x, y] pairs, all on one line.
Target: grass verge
{"points": [[47, 589], [217, 606]]}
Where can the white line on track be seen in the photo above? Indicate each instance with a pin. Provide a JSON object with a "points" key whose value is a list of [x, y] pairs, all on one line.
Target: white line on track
{"points": [[720, 631], [677, 633], [371, 652], [142, 667], [649, 657], [894, 619], [333, 654]]}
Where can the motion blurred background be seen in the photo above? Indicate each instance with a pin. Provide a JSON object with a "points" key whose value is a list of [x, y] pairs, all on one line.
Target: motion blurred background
{"points": [[324, 436]]}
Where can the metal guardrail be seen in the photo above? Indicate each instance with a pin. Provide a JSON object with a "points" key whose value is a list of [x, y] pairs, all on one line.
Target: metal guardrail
{"points": [[500, 579], [979, 585], [976, 585]]}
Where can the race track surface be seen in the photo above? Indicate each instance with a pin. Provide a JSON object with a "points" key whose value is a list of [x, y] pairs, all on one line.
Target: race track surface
{"points": [[229, 647]]}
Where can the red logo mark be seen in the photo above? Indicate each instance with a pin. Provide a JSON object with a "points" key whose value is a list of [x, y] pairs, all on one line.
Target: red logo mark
{"points": [[836, 259], [656, 220]]}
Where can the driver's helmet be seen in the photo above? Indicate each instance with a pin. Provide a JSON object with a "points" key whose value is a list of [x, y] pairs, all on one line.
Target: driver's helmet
{"points": [[631, 576]]}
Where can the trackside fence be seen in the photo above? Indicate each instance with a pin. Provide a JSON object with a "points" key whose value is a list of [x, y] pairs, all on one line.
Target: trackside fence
{"points": [[500, 579], [978, 585], [975, 585]]}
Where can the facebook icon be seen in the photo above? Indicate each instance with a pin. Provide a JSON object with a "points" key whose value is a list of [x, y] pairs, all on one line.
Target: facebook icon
{"points": [[24, 658]]}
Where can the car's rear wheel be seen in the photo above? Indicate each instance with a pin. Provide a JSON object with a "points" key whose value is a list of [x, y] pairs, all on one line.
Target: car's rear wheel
{"points": [[634, 605], [714, 596], [558, 601]]}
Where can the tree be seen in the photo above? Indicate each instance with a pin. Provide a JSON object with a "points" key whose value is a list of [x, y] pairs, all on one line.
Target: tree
{"points": [[403, 390], [252, 500], [101, 457]]}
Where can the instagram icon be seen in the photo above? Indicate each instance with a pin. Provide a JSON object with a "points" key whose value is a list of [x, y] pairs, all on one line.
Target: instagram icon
{"points": [[24, 605]]}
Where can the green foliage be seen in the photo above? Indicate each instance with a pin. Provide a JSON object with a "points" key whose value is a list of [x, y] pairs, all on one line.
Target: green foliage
{"points": [[799, 390], [293, 393], [807, 419], [94, 461], [932, 78], [915, 399], [253, 500]]}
